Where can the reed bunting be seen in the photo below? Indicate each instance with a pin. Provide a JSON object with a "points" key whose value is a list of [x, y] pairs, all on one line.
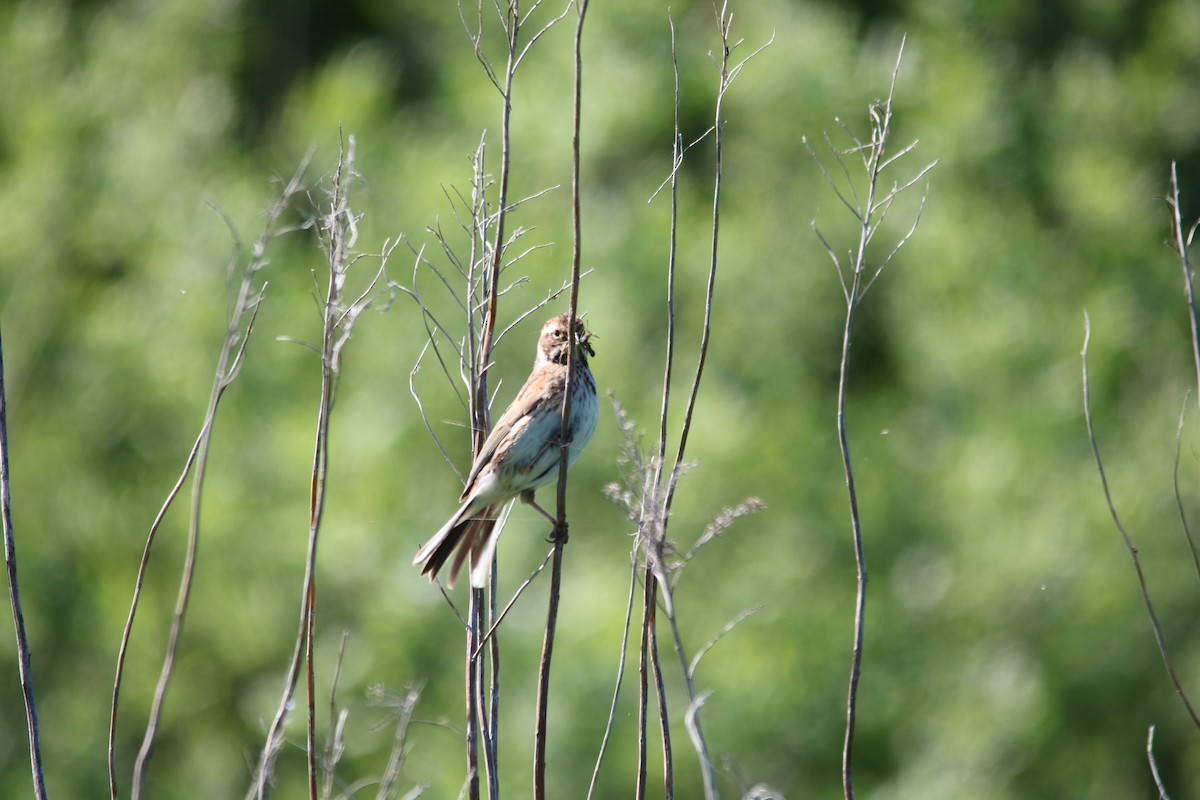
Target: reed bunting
{"points": [[521, 453]]}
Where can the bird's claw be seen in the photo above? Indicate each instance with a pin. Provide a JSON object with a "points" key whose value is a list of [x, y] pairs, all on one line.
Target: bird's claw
{"points": [[557, 534]]}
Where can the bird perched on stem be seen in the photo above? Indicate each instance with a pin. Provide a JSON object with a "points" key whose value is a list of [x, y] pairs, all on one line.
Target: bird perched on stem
{"points": [[521, 453]]}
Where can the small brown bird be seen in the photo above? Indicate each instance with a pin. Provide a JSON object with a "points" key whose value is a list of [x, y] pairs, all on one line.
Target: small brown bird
{"points": [[521, 453]]}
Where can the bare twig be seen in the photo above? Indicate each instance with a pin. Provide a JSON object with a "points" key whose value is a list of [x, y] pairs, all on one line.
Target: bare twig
{"points": [[335, 746], [339, 233], [1179, 507], [869, 210], [560, 528], [733, 623], [1181, 243], [1162, 790], [612, 709], [244, 307], [405, 708], [1133, 551], [498, 618], [727, 73], [648, 501], [14, 597]]}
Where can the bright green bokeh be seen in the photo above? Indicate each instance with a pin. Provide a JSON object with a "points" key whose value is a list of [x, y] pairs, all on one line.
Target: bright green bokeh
{"points": [[1008, 652]]}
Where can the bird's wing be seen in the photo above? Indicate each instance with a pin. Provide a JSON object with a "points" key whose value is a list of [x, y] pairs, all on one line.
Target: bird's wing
{"points": [[508, 428]]}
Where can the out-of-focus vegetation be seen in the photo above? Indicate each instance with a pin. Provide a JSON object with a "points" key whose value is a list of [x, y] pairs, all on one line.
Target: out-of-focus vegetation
{"points": [[1008, 653]]}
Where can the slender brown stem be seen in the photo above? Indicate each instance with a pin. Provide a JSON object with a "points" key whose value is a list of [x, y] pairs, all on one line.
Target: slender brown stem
{"points": [[480, 409], [855, 281], [664, 723], [560, 528], [492, 737], [612, 709], [338, 318], [672, 252], [472, 698], [241, 323], [1159, 638], [860, 562], [1181, 242], [14, 597], [649, 609], [246, 301]]}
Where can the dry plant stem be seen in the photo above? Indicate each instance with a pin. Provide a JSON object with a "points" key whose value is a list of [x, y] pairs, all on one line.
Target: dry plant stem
{"points": [[479, 361], [648, 611], [664, 722], [492, 730], [391, 774], [14, 597], [338, 318], [1181, 242], [612, 709], [726, 76], [480, 407], [1129, 545], [244, 309], [672, 253], [1162, 790], [560, 528], [860, 562], [479, 395], [648, 579], [870, 211], [335, 743], [1179, 507], [472, 698]]}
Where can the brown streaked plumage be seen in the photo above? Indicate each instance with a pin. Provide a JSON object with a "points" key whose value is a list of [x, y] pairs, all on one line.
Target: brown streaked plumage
{"points": [[521, 453]]}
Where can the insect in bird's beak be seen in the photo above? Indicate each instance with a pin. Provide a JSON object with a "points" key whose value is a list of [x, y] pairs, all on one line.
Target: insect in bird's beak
{"points": [[586, 343]]}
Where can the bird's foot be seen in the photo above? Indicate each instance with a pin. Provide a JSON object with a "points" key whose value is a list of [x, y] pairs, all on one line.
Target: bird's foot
{"points": [[558, 534]]}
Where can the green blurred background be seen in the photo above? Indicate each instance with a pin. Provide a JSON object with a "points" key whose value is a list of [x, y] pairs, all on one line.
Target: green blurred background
{"points": [[1008, 654]]}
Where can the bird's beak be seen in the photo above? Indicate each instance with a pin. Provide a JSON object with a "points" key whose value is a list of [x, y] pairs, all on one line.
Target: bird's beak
{"points": [[586, 343]]}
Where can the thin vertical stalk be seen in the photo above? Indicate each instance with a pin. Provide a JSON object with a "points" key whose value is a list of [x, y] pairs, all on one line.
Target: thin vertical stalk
{"points": [[14, 597], [560, 528], [338, 319], [245, 308], [869, 211], [480, 410], [1159, 637], [472, 699], [725, 22], [1180, 242], [648, 612], [492, 736]]}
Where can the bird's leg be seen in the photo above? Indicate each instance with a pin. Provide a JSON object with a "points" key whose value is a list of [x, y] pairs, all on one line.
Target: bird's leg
{"points": [[556, 534]]}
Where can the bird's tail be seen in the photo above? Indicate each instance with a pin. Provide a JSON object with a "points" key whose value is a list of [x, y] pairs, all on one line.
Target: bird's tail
{"points": [[473, 535]]}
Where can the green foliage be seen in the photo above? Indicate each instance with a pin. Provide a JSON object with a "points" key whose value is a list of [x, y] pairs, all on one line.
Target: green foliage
{"points": [[1008, 654]]}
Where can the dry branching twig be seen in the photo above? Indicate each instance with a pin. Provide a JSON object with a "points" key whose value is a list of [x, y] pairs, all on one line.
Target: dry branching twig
{"points": [[473, 281], [244, 305], [338, 231], [856, 278], [648, 493]]}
